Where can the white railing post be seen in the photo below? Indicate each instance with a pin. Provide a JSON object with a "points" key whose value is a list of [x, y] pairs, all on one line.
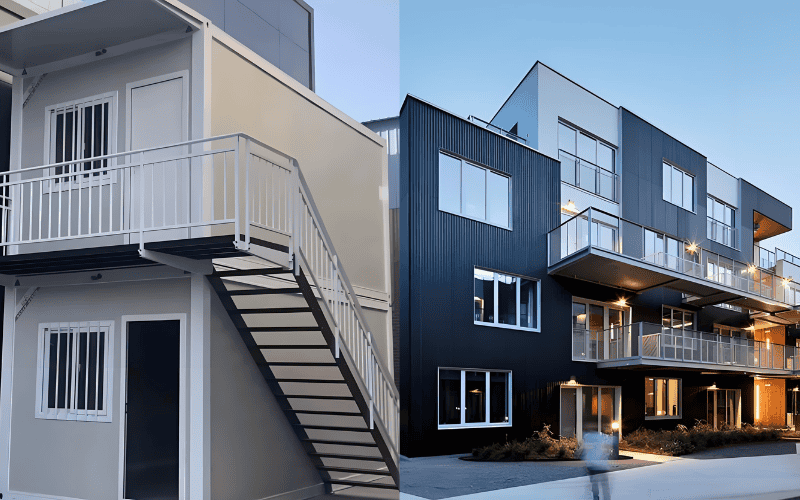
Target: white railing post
{"points": [[236, 180], [641, 340], [589, 226], [248, 195], [296, 215], [370, 381], [141, 201], [337, 302]]}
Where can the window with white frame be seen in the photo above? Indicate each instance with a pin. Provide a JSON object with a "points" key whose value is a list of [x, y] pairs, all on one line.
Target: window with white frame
{"points": [[506, 301], [721, 222], [79, 130], [662, 398], [474, 192], [74, 371], [586, 162], [678, 187], [474, 398]]}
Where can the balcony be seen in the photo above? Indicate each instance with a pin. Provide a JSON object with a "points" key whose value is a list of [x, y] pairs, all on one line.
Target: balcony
{"points": [[496, 129], [647, 344], [589, 177], [602, 248]]}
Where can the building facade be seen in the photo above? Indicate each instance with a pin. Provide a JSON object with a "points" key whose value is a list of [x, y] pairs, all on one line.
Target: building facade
{"points": [[570, 264], [195, 265]]}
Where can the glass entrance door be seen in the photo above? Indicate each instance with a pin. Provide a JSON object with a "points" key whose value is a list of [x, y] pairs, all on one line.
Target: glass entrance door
{"points": [[723, 408], [588, 409]]}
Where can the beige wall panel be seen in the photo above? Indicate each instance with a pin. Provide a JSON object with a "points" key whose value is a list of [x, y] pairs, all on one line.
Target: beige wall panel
{"points": [[343, 167], [70, 458]]}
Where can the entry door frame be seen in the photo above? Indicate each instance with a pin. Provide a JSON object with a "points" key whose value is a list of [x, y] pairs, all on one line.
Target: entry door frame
{"points": [[738, 409], [579, 407], [183, 398], [184, 75]]}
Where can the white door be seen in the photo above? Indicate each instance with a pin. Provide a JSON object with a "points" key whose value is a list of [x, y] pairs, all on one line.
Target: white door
{"points": [[158, 117]]}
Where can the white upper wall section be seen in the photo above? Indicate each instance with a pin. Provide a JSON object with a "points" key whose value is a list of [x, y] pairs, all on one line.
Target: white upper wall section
{"points": [[562, 98], [41, 6], [723, 186], [522, 109]]}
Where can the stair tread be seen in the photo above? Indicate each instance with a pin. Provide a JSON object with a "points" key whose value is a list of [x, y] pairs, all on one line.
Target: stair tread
{"points": [[297, 363], [262, 291], [357, 470], [311, 396], [345, 456], [274, 310], [267, 329], [339, 443], [365, 484], [252, 272], [333, 428], [310, 381], [331, 413], [293, 346]]}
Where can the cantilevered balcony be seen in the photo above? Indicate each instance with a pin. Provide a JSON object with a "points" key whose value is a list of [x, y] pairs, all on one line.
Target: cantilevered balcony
{"points": [[646, 345], [602, 248]]}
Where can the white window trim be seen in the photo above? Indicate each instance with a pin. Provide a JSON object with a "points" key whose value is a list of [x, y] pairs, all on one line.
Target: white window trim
{"points": [[680, 400], [41, 410], [496, 302], [694, 186], [510, 225], [734, 236], [92, 180], [473, 425]]}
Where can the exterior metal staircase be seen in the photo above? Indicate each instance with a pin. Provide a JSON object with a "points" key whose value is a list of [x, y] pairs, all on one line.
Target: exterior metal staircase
{"points": [[281, 280]]}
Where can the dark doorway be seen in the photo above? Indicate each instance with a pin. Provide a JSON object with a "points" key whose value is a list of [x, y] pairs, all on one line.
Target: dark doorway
{"points": [[151, 440]]}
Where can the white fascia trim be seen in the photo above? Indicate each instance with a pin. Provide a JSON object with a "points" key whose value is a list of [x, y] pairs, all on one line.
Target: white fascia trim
{"points": [[20, 495], [300, 493], [279, 75]]}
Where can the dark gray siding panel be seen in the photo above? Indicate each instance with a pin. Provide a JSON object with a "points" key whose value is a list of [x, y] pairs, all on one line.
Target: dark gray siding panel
{"points": [[438, 254]]}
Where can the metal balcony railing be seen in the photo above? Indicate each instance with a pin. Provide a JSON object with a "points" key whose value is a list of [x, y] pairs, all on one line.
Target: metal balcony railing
{"points": [[589, 177], [232, 179], [765, 259], [656, 342], [786, 256], [620, 236], [721, 233]]}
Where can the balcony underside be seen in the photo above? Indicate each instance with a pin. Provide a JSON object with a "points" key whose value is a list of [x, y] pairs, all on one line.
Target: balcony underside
{"points": [[649, 364], [123, 256], [607, 268]]}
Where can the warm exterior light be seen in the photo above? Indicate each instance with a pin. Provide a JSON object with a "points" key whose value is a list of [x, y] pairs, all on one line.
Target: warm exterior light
{"points": [[622, 302], [572, 381], [581, 318], [795, 390], [692, 247], [615, 426], [786, 282], [752, 269], [713, 386], [570, 207]]}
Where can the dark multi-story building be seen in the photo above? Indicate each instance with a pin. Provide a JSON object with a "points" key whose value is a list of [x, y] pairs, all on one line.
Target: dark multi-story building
{"points": [[573, 265]]}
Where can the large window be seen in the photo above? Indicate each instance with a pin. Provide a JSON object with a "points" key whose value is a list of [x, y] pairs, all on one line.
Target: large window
{"points": [[475, 192], [74, 371], [506, 301], [474, 398], [721, 222], [586, 162], [678, 187], [662, 398]]}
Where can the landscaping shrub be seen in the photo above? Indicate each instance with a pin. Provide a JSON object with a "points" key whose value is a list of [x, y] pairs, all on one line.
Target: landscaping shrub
{"points": [[682, 440], [542, 445]]}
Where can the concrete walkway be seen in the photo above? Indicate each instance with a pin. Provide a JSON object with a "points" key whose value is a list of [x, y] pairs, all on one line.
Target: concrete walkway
{"points": [[770, 477]]}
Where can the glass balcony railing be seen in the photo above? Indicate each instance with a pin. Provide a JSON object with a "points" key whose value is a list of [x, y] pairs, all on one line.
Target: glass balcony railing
{"points": [[764, 258], [786, 256], [653, 341], [590, 177], [495, 128], [597, 229]]}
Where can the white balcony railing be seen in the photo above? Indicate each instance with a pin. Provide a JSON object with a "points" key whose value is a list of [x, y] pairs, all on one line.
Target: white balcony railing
{"points": [[227, 185], [655, 342]]}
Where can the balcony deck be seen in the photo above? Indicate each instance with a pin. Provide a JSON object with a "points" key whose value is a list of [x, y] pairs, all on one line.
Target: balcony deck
{"points": [[646, 345], [615, 253]]}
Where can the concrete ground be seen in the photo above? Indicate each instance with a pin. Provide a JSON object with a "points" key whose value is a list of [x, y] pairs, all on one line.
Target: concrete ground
{"points": [[758, 470]]}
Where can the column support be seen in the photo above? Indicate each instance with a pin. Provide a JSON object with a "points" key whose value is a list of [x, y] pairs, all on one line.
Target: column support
{"points": [[199, 438], [6, 384]]}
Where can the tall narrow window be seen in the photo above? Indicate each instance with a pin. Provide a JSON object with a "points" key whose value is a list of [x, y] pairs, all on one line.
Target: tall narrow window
{"points": [[678, 187], [74, 371], [506, 300], [721, 222], [81, 130], [662, 398], [473, 191], [586, 162]]}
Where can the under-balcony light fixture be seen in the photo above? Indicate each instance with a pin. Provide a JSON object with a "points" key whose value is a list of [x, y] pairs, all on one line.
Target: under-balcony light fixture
{"points": [[786, 282], [622, 302], [615, 426], [570, 207], [572, 381], [691, 247], [752, 269], [795, 390], [24, 71], [713, 386]]}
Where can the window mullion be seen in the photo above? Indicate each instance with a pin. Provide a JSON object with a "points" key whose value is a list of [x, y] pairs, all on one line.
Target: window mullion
{"points": [[519, 301], [496, 299], [488, 399]]}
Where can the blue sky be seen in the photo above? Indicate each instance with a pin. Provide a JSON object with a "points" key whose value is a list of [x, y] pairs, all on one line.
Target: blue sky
{"points": [[722, 77], [357, 56]]}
